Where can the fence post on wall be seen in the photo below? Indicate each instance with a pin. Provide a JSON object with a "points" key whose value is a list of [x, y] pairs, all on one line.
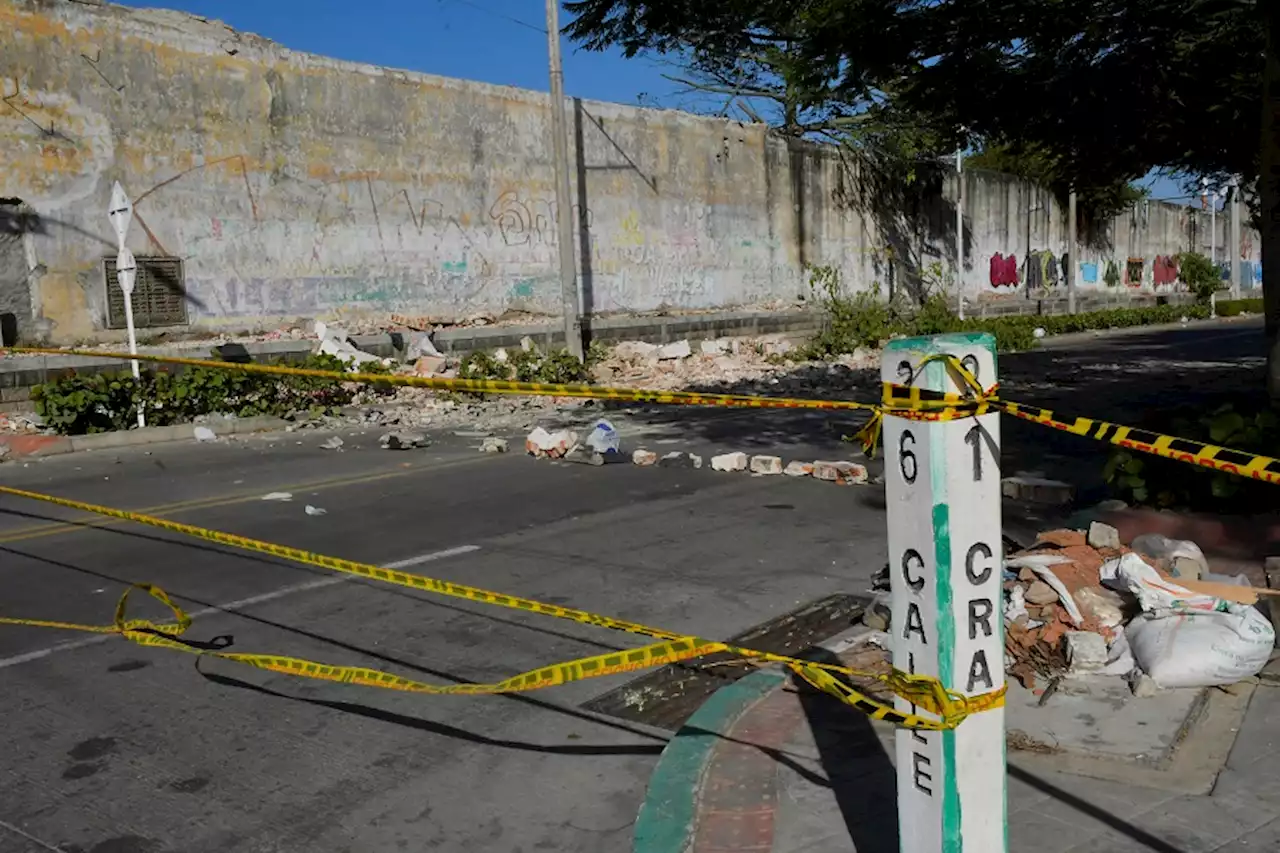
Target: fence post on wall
{"points": [[942, 481]]}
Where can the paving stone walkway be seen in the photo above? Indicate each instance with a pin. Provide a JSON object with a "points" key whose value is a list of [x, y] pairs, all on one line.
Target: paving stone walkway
{"points": [[786, 770]]}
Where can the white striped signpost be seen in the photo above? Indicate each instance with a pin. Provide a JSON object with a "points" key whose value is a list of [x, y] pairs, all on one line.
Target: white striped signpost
{"points": [[942, 481]]}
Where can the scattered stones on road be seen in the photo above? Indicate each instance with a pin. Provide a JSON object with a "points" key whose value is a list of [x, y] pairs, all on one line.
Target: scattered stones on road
{"points": [[493, 444], [315, 510], [796, 468], [403, 440], [203, 433], [729, 462], [644, 457], [677, 459], [766, 464], [840, 473], [278, 496], [334, 443]]}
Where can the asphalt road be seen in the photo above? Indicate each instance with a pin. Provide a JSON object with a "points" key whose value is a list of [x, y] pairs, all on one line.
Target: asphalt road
{"points": [[114, 748]]}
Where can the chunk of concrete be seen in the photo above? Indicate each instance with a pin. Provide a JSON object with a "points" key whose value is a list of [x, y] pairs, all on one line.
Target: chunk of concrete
{"points": [[766, 465], [403, 440], [644, 457], [796, 468], [493, 444], [1037, 490], [840, 473], [729, 462], [679, 349], [1086, 651], [1103, 536], [676, 459]]}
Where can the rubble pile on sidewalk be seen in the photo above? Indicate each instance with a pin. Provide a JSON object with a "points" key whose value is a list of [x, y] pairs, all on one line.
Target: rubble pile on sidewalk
{"points": [[1081, 608], [1080, 605]]}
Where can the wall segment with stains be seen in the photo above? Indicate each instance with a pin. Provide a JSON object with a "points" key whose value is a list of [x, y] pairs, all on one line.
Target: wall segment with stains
{"points": [[295, 186]]}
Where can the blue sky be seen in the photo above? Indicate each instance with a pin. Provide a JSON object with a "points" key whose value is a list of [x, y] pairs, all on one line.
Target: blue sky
{"points": [[496, 41]]}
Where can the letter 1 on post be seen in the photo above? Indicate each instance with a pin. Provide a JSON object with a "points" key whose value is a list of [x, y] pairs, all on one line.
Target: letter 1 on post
{"points": [[942, 481]]}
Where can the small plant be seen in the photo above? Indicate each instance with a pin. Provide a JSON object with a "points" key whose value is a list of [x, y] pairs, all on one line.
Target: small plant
{"points": [[1199, 274], [1143, 479], [556, 367], [101, 402]]}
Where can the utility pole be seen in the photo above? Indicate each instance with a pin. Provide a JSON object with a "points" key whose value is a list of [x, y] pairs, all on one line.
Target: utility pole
{"points": [[960, 230], [1071, 265], [564, 207], [1233, 252]]}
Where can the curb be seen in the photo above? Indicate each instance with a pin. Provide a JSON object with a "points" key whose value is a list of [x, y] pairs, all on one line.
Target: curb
{"points": [[20, 446], [666, 820]]}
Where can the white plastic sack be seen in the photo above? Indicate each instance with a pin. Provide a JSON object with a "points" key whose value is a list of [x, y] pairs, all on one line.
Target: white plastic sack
{"points": [[1201, 648], [603, 438], [1040, 563], [1159, 547], [1131, 573]]}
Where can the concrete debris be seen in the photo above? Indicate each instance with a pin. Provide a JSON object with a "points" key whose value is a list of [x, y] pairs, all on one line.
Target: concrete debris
{"points": [[729, 462], [334, 342], [1037, 490], [430, 365], [644, 457], [676, 459], [696, 459], [333, 443], [526, 344], [840, 473], [766, 465], [278, 496], [203, 433], [553, 445], [500, 355], [1040, 593], [418, 345], [1103, 536], [716, 346], [403, 440], [634, 350], [1086, 651], [679, 349], [315, 510], [494, 445], [796, 468]]}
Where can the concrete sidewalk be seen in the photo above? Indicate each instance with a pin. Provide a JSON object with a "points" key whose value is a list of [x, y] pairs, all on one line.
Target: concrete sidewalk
{"points": [[769, 766]]}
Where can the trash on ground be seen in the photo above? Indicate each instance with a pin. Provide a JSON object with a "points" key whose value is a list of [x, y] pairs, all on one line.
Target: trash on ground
{"points": [[278, 496], [334, 443], [1179, 558], [603, 438], [315, 510], [203, 433], [334, 342], [644, 457]]}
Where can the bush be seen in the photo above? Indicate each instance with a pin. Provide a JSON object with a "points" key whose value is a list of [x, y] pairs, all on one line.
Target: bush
{"points": [[1236, 307], [557, 367], [864, 320], [1144, 479], [1199, 274], [102, 402]]}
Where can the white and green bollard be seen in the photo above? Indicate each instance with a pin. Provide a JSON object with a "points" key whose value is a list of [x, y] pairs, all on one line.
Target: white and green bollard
{"points": [[942, 481]]}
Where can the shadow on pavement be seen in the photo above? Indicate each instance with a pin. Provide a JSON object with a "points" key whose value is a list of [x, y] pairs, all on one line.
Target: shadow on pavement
{"points": [[859, 770], [1135, 379]]}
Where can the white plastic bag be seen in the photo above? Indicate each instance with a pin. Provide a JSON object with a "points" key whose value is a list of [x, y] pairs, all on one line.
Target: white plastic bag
{"points": [[1201, 648], [1131, 573], [603, 438]]}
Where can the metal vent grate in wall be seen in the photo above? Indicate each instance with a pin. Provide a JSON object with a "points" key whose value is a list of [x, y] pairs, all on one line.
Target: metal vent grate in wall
{"points": [[159, 297]]}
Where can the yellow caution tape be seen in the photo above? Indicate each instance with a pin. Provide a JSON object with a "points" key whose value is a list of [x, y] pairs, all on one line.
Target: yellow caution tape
{"points": [[481, 386], [901, 400], [949, 706]]}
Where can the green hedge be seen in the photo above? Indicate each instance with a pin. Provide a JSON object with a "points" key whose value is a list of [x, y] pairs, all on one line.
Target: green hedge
{"points": [[102, 402], [1236, 307], [1018, 333]]}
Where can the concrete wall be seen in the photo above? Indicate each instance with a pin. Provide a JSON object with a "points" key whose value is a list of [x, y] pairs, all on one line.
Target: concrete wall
{"points": [[295, 186]]}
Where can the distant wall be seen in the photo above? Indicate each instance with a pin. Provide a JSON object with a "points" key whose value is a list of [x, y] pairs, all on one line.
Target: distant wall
{"points": [[295, 186]]}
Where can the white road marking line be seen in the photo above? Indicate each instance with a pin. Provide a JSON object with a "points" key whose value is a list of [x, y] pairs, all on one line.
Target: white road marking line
{"points": [[240, 604], [36, 841]]}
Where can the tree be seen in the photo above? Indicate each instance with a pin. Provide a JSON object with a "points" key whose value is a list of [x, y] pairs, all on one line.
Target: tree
{"points": [[1100, 91]]}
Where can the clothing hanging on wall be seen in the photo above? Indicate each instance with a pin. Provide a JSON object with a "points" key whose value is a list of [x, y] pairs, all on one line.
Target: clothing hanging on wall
{"points": [[1089, 273]]}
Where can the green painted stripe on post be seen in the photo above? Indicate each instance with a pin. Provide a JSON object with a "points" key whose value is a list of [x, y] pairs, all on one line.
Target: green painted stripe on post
{"points": [[666, 820], [952, 840]]}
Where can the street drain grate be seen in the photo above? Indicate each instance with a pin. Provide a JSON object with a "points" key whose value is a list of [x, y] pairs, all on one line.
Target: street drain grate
{"points": [[667, 697]]}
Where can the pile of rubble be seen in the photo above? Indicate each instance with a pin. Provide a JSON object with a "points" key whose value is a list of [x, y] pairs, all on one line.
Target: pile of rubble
{"points": [[1081, 606]]}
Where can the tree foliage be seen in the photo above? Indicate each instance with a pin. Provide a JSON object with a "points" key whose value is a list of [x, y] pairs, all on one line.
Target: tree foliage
{"points": [[1093, 93]]}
